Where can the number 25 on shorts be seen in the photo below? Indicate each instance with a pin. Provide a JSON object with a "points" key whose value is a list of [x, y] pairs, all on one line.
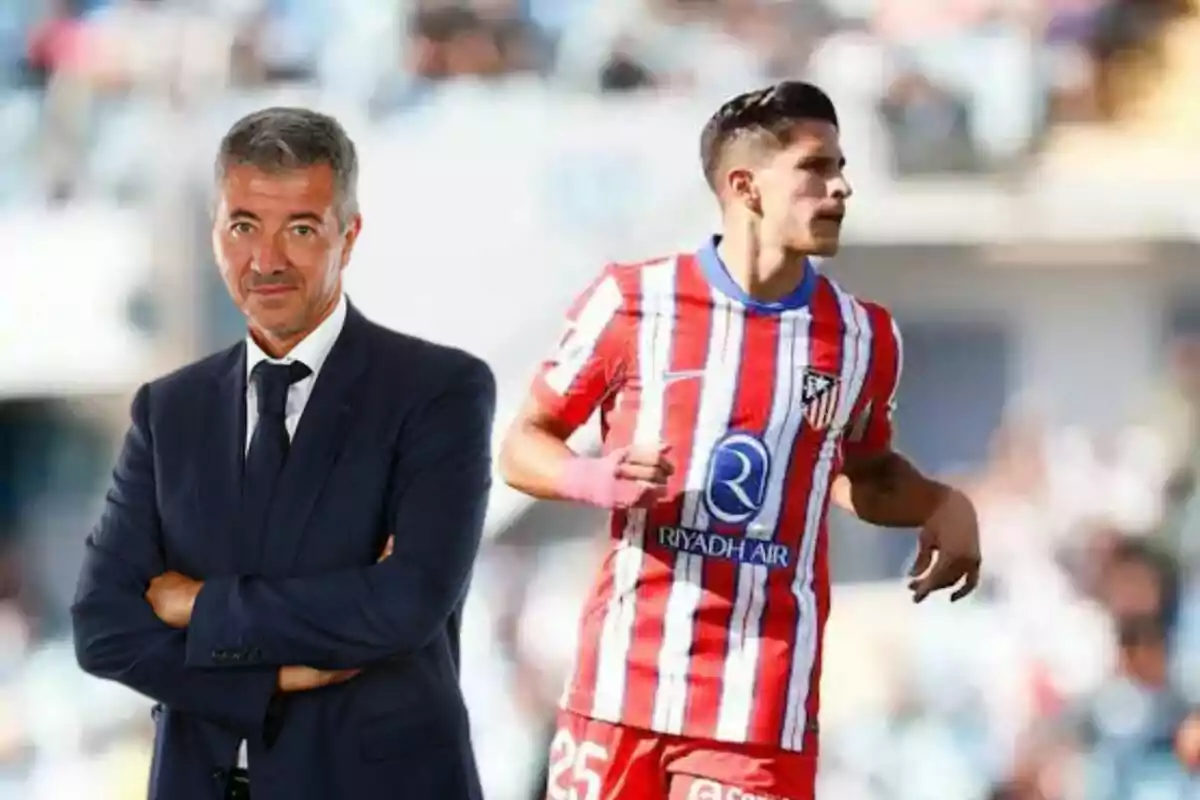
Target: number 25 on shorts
{"points": [[575, 768]]}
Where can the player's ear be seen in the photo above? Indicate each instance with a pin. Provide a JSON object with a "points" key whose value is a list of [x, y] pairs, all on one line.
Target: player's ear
{"points": [[743, 188]]}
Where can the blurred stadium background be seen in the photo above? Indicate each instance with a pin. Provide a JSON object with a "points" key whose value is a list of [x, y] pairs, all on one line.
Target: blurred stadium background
{"points": [[1027, 176]]}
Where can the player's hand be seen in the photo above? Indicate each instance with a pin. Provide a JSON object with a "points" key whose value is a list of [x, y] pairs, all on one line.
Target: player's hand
{"points": [[173, 596], [303, 679], [627, 477], [641, 473], [948, 550]]}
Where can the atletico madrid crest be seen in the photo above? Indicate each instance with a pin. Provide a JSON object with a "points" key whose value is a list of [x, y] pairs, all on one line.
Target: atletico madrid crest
{"points": [[819, 397]]}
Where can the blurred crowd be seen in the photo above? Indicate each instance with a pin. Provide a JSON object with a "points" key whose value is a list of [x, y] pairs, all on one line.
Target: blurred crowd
{"points": [[1074, 676], [87, 80]]}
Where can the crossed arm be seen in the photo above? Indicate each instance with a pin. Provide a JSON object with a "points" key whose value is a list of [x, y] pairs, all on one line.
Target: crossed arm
{"points": [[341, 620], [352, 618], [117, 635]]}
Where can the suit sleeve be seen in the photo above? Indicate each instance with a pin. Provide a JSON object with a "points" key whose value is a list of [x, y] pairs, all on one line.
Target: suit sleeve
{"points": [[117, 635], [351, 618], [871, 430], [589, 359]]}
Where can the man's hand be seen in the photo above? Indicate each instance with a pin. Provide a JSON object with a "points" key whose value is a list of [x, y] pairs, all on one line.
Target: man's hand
{"points": [[948, 550], [303, 679], [172, 596]]}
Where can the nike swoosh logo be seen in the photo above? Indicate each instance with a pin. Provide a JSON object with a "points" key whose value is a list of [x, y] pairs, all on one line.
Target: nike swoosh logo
{"points": [[682, 375]]}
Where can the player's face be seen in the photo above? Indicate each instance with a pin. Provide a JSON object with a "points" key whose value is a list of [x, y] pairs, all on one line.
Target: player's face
{"points": [[281, 248], [803, 190]]}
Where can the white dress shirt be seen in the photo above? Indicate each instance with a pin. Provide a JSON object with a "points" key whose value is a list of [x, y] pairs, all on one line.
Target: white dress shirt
{"points": [[312, 351]]}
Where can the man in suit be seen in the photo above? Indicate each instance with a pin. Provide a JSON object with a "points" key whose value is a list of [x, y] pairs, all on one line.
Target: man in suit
{"points": [[236, 574]]}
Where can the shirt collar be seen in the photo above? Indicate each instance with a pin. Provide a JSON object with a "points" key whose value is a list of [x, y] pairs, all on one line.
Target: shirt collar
{"points": [[311, 351], [718, 276]]}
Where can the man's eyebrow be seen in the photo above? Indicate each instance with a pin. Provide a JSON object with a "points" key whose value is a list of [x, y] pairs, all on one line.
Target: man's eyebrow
{"points": [[298, 216], [306, 216]]}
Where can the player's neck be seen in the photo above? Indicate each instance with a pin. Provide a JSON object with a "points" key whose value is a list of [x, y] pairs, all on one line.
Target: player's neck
{"points": [[767, 273]]}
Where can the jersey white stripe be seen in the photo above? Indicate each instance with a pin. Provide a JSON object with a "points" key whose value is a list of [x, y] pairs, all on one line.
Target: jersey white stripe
{"points": [[783, 425], [855, 363], [716, 403], [582, 336], [899, 344], [654, 357]]}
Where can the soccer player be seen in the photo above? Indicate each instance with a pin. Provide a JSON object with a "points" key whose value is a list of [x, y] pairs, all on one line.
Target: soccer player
{"points": [[740, 390]]}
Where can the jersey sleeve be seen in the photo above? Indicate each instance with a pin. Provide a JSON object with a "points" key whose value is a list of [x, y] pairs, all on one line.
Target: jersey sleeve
{"points": [[588, 361], [871, 430]]}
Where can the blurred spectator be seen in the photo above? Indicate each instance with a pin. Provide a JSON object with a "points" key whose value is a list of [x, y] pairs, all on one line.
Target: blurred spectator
{"points": [[1120, 739], [453, 43], [957, 50], [930, 128], [112, 69]]}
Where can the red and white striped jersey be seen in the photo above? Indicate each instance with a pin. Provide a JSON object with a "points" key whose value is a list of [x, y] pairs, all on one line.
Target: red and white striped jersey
{"points": [[707, 617]]}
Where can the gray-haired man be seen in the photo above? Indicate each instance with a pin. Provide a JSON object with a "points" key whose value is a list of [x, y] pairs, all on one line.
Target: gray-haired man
{"points": [[235, 575]]}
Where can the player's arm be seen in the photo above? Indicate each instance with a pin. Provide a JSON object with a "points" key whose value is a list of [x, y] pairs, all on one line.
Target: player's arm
{"points": [[880, 486], [877, 484], [886, 489], [587, 368]]}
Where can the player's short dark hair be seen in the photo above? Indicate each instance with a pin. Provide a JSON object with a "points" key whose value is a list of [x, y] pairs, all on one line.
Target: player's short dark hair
{"points": [[767, 114], [293, 138]]}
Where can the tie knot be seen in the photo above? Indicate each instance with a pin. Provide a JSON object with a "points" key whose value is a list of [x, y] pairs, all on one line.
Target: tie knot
{"points": [[272, 381]]}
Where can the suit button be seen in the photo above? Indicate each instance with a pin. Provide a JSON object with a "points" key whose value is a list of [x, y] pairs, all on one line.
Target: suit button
{"points": [[218, 774]]}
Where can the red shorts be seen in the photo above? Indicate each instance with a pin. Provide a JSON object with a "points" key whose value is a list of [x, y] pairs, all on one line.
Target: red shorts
{"points": [[591, 760]]}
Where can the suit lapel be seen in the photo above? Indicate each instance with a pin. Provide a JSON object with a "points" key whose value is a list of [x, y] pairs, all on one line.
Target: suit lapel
{"points": [[222, 441], [315, 447]]}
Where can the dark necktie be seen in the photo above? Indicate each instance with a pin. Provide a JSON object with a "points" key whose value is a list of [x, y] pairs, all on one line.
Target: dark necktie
{"points": [[270, 442]]}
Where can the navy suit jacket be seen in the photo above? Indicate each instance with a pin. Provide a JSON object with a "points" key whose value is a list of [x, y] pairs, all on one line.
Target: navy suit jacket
{"points": [[395, 440]]}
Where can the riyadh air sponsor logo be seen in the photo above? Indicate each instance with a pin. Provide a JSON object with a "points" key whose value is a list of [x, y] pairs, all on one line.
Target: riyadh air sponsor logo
{"points": [[726, 546]]}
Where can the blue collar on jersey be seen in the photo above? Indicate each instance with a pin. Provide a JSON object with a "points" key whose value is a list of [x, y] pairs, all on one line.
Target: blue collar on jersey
{"points": [[717, 275]]}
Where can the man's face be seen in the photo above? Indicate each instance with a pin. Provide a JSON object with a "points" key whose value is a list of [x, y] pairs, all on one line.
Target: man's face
{"points": [[803, 191], [281, 247], [1133, 590], [1142, 649]]}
